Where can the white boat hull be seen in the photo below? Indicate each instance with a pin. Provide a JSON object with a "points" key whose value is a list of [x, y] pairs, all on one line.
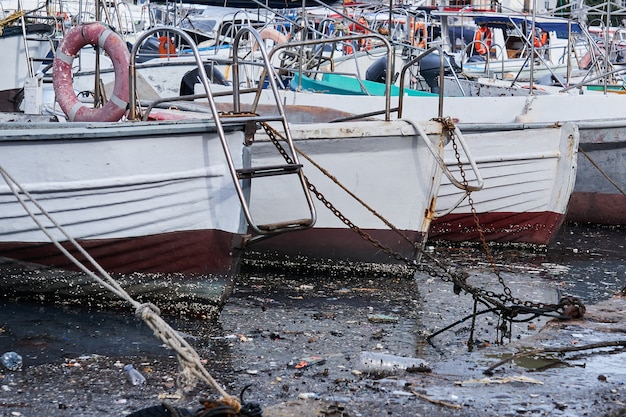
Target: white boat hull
{"points": [[528, 177], [152, 201], [598, 194], [387, 165]]}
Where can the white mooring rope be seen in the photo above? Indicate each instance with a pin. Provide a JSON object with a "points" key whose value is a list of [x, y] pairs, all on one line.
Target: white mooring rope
{"points": [[190, 366]]}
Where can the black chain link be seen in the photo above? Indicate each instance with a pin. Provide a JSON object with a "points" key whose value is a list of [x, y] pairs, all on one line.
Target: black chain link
{"points": [[507, 306], [507, 295]]}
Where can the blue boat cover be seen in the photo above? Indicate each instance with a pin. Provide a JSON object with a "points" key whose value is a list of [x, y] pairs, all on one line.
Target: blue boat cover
{"points": [[503, 21]]}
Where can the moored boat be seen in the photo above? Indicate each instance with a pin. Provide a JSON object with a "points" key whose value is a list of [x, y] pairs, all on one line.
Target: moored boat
{"points": [[155, 199], [511, 212], [153, 202], [528, 181], [32, 44], [514, 46], [598, 195], [375, 184], [167, 198]]}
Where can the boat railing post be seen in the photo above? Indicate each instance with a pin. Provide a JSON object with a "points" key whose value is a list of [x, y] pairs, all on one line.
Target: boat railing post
{"points": [[292, 166], [501, 49], [570, 48], [316, 42], [455, 132], [533, 34], [606, 43], [29, 63], [417, 60]]}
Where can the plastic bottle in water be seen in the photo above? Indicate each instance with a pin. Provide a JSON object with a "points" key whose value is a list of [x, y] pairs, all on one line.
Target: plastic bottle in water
{"points": [[134, 376], [375, 361], [12, 361]]}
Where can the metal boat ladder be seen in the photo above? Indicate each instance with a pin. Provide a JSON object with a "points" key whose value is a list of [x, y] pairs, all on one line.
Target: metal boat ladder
{"points": [[242, 177]]}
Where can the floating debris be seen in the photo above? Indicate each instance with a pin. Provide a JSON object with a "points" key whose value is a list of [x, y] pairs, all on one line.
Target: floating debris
{"points": [[384, 362], [503, 380], [133, 375], [12, 361], [382, 318], [309, 361], [555, 269]]}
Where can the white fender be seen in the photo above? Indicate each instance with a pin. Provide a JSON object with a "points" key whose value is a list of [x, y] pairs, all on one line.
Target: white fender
{"points": [[273, 34]]}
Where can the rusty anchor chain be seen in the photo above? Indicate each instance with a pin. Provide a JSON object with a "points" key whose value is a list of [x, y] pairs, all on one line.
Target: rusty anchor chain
{"points": [[508, 307]]}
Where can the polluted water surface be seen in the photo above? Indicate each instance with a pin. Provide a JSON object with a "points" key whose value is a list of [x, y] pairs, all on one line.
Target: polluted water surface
{"points": [[298, 343]]}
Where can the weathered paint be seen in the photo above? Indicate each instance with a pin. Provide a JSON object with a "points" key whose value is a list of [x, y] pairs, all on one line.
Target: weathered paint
{"points": [[598, 208], [598, 195], [528, 181], [384, 164], [185, 252], [152, 203], [538, 228], [339, 243]]}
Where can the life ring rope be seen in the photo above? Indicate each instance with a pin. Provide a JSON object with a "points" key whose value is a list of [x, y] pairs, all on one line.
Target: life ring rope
{"points": [[96, 34]]}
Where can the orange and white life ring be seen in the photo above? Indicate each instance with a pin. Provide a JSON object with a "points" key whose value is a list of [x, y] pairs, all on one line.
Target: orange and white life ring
{"points": [[166, 47], [76, 38], [539, 41], [62, 19], [482, 40], [421, 35]]}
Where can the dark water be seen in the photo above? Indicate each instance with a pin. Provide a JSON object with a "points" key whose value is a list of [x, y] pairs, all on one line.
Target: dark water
{"points": [[587, 262], [41, 334], [590, 260]]}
